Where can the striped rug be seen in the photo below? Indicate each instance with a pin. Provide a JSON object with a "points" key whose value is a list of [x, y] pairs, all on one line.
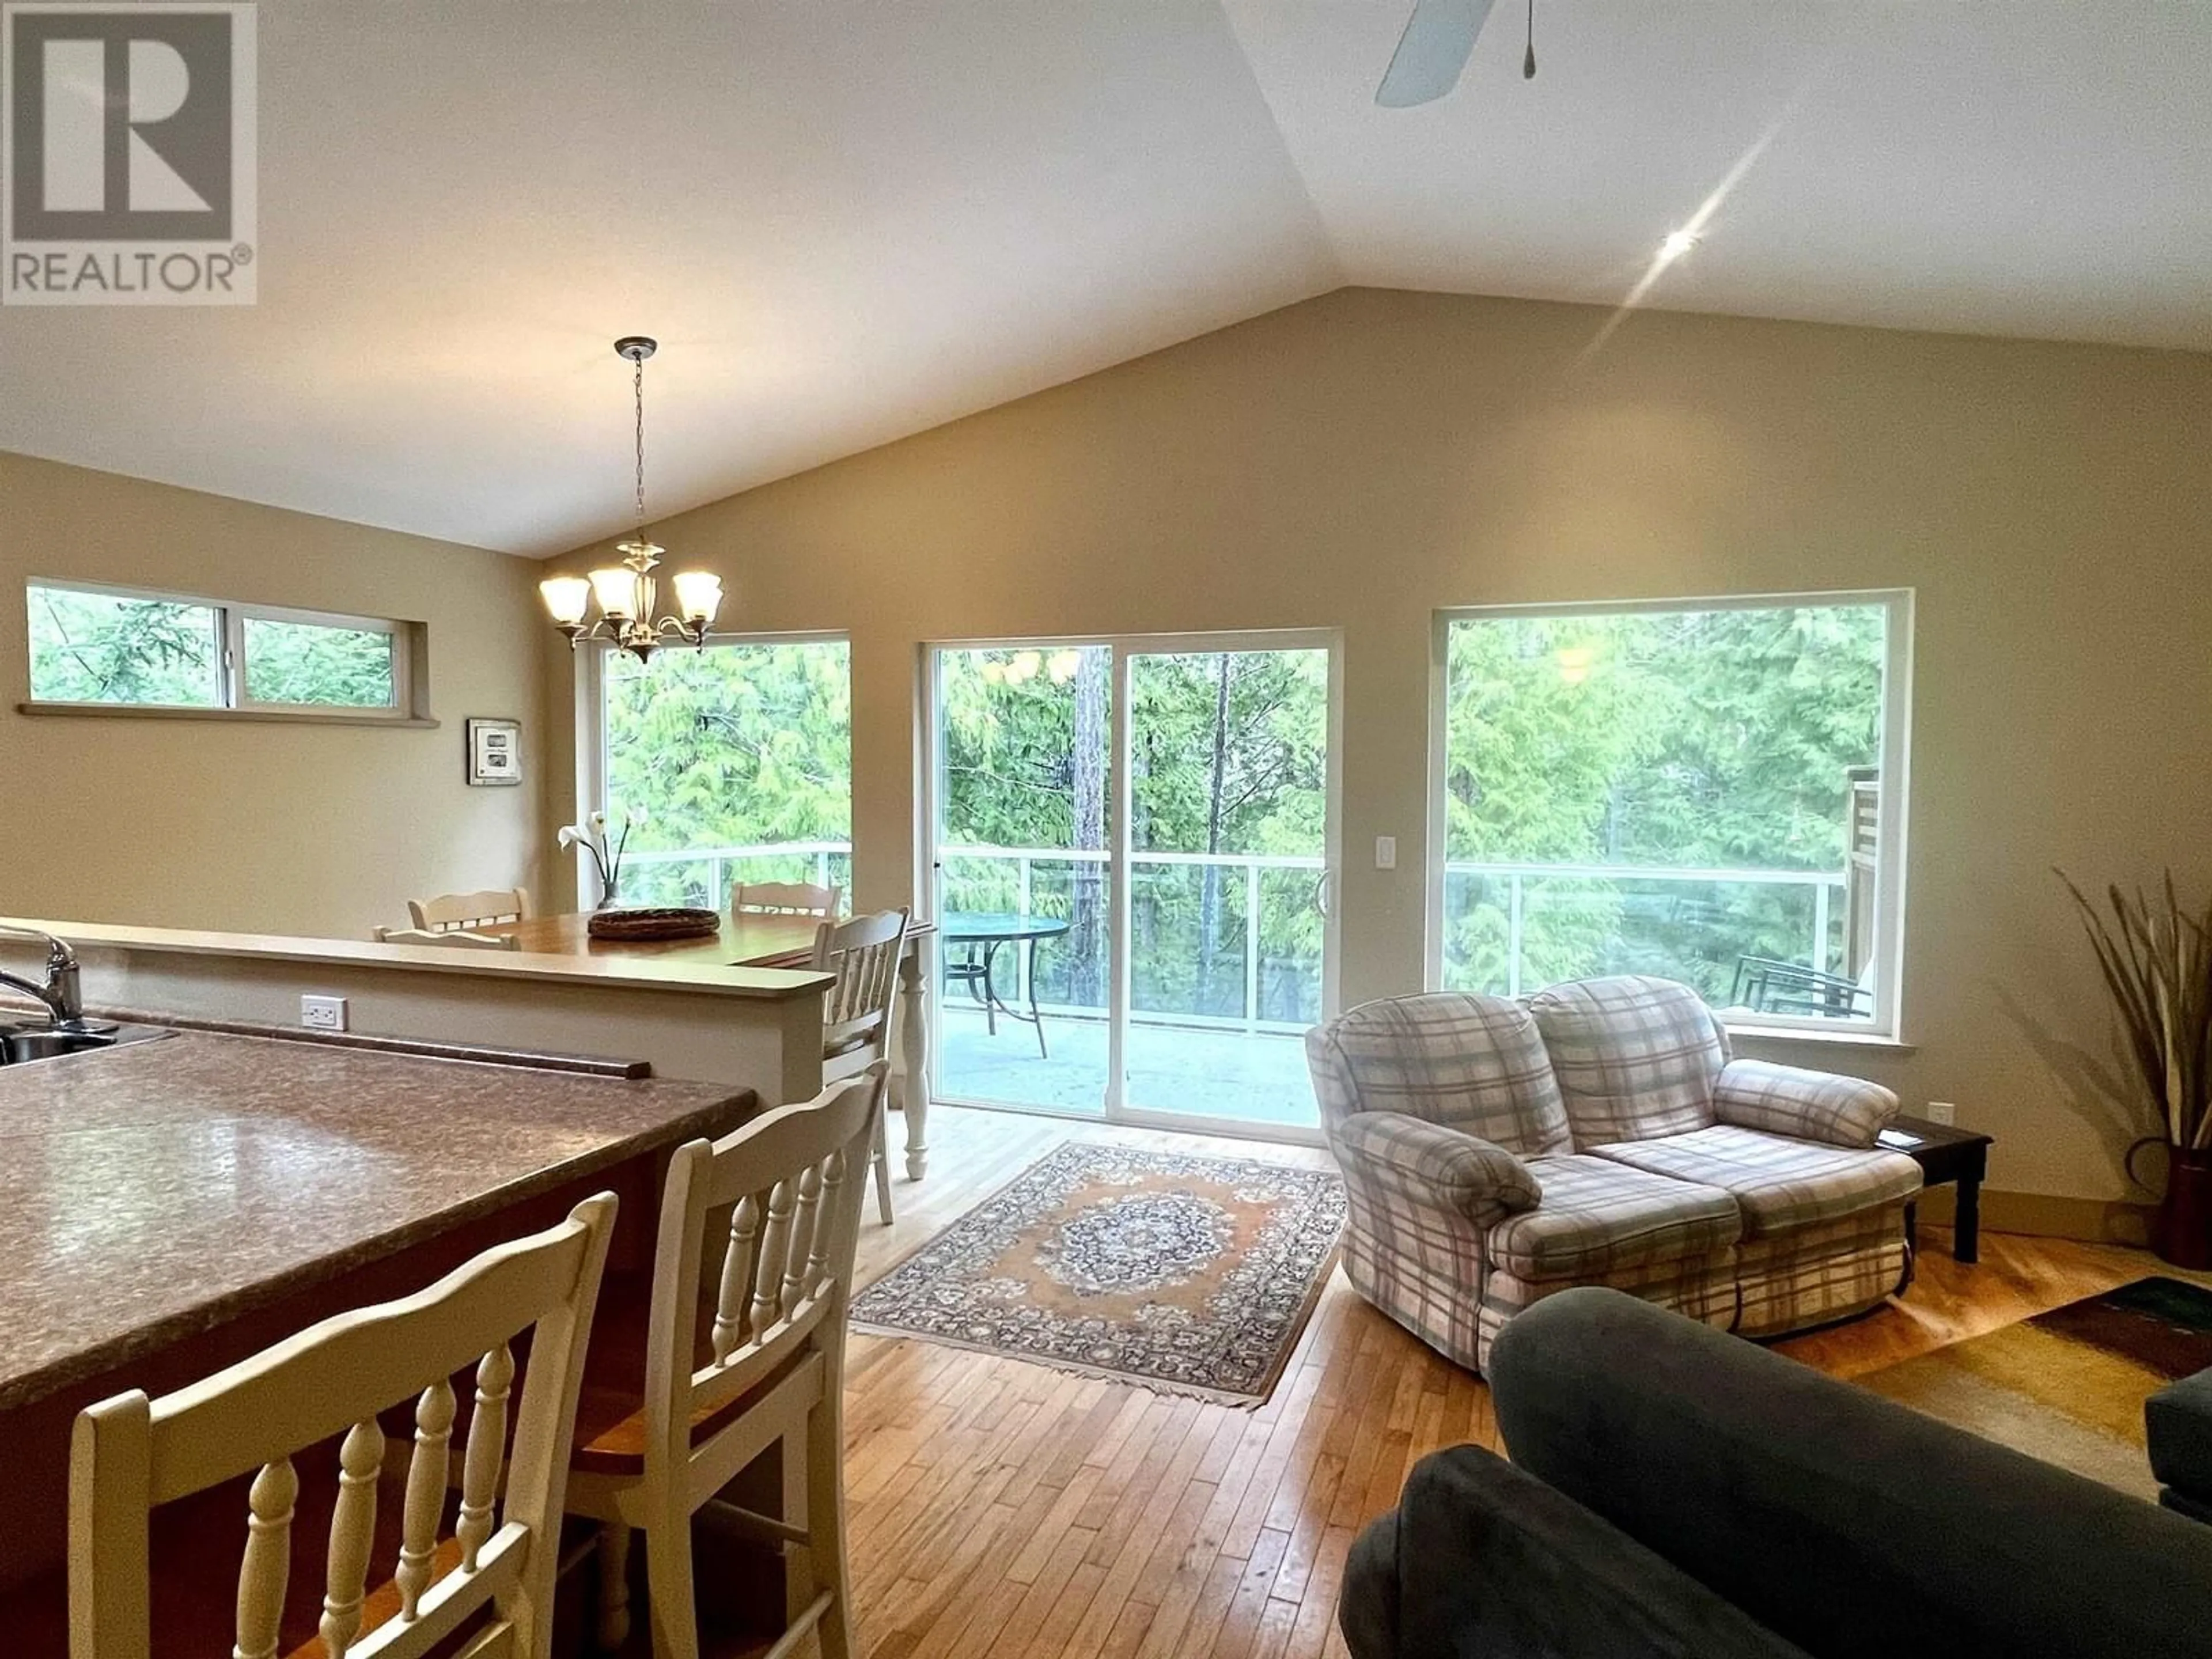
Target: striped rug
{"points": [[2068, 1385]]}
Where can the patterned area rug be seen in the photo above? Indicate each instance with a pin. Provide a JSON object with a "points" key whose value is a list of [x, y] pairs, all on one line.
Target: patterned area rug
{"points": [[1190, 1275], [2067, 1386]]}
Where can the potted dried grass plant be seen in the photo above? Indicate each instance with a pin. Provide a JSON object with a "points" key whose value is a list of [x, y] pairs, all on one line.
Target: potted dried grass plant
{"points": [[2157, 962]]}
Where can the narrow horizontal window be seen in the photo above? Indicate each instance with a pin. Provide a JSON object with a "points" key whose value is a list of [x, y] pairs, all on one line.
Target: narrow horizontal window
{"points": [[319, 664], [115, 648], [96, 648]]}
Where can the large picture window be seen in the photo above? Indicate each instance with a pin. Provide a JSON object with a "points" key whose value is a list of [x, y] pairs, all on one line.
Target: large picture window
{"points": [[737, 763], [107, 648], [1709, 792]]}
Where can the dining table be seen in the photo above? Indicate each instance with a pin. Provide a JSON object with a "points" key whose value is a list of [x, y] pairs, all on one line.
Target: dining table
{"points": [[772, 939]]}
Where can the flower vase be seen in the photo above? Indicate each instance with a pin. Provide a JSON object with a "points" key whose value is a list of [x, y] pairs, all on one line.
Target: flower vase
{"points": [[610, 897], [2181, 1226]]}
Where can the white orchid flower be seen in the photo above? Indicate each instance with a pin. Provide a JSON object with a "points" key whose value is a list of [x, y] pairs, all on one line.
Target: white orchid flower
{"points": [[570, 834]]}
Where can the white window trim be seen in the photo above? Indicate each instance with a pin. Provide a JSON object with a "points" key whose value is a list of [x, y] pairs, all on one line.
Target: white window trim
{"points": [[408, 706], [1884, 1025]]}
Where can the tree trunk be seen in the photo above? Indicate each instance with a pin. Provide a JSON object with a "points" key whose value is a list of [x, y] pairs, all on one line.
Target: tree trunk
{"points": [[1087, 766], [1209, 893]]}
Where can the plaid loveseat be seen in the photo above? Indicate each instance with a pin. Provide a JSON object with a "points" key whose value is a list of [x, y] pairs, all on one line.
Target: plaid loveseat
{"points": [[1496, 1152]]}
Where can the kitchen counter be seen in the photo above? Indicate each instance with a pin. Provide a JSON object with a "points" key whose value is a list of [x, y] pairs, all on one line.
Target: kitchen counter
{"points": [[752, 1027], [686, 971], [151, 1191]]}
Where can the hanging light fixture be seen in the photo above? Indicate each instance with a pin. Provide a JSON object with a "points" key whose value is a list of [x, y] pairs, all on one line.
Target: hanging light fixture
{"points": [[626, 594]]}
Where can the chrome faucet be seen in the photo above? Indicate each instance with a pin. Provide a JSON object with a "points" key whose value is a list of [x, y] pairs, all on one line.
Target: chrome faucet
{"points": [[63, 997]]}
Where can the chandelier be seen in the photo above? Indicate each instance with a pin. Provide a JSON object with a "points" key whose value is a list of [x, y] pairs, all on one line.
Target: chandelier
{"points": [[626, 594]]}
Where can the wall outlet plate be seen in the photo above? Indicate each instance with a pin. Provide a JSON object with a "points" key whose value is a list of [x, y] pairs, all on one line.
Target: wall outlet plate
{"points": [[1942, 1111], [1386, 852], [322, 1013]]}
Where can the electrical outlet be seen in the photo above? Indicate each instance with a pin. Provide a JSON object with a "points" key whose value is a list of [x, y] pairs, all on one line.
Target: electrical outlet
{"points": [[1386, 852], [1942, 1111], [322, 1013]]}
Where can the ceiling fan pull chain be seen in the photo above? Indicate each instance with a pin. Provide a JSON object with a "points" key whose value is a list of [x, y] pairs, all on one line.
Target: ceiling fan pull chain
{"points": [[1529, 62]]}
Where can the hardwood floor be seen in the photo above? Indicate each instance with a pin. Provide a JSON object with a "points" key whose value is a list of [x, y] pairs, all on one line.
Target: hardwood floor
{"points": [[1000, 1509]]}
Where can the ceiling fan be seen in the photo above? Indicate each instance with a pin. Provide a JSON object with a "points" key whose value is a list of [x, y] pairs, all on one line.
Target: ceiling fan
{"points": [[1439, 37]]}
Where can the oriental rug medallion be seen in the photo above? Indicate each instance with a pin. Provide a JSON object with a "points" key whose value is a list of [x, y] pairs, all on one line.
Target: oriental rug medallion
{"points": [[1190, 1275]]}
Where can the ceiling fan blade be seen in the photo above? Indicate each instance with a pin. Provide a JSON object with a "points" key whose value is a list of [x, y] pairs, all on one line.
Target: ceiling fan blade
{"points": [[1434, 49]]}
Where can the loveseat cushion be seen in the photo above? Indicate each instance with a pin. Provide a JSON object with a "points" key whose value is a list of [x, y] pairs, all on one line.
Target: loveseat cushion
{"points": [[1598, 1216], [1475, 1063], [1781, 1185], [1635, 1057]]}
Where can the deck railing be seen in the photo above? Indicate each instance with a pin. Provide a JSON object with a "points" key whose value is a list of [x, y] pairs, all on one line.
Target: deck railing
{"points": [[1826, 886], [821, 859]]}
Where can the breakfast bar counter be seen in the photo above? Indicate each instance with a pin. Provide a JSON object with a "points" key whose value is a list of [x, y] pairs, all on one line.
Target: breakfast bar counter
{"points": [[703, 1017]]}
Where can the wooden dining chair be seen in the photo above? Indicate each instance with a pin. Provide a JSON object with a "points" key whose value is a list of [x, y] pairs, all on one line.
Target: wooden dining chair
{"points": [[451, 910], [495, 1569], [759, 1361], [856, 1012], [459, 938], [786, 898]]}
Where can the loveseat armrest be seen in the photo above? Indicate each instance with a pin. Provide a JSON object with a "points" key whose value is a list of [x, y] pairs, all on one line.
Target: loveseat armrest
{"points": [[1435, 1164], [1790, 1100]]}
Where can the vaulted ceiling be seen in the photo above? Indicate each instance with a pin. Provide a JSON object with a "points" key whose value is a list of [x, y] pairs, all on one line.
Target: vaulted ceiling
{"points": [[848, 220]]}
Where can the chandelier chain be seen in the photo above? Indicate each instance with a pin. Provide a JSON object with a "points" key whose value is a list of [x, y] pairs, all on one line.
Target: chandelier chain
{"points": [[637, 388]]}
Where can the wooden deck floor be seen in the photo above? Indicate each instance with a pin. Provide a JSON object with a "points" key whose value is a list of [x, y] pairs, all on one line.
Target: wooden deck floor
{"points": [[1001, 1509]]}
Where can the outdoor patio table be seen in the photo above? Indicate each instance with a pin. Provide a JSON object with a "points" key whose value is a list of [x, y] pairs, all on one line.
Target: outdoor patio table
{"points": [[982, 934]]}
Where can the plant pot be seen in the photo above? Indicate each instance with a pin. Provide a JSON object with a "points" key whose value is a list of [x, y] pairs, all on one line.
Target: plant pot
{"points": [[2181, 1226]]}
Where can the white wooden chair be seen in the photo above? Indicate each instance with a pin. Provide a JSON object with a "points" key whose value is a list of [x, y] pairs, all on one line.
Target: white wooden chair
{"points": [[459, 938], [769, 1368], [856, 1012], [786, 898], [451, 910], [131, 1454]]}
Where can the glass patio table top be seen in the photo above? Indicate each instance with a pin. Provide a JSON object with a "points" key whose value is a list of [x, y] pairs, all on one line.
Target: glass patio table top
{"points": [[998, 926]]}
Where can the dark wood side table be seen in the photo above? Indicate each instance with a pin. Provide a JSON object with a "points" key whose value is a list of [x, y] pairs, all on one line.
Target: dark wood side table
{"points": [[1945, 1152]]}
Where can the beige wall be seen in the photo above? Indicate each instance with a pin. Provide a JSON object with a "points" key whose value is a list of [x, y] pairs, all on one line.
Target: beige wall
{"points": [[1361, 459], [305, 828]]}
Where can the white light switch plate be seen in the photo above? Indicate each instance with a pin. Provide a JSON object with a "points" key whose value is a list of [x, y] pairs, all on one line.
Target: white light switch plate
{"points": [[322, 1013], [1386, 852], [1942, 1111]]}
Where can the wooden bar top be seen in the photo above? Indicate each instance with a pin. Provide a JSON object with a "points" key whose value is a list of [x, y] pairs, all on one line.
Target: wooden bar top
{"points": [[153, 1191]]}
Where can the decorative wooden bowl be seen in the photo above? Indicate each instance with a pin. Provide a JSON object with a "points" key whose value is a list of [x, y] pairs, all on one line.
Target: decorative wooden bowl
{"points": [[651, 923]]}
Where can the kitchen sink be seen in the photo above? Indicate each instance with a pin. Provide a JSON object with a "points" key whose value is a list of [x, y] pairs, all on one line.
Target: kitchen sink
{"points": [[20, 1044]]}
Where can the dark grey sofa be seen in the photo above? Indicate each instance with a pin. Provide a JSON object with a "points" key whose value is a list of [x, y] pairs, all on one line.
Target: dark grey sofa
{"points": [[1678, 1492], [2179, 1422]]}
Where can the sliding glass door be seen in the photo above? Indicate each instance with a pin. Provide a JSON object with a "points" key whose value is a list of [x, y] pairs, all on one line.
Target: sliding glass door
{"points": [[1021, 752], [1227, 878], [1132, 847]]}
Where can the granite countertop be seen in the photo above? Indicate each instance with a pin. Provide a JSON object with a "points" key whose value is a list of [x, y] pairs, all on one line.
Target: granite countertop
{"points": [[152, 1191]]}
